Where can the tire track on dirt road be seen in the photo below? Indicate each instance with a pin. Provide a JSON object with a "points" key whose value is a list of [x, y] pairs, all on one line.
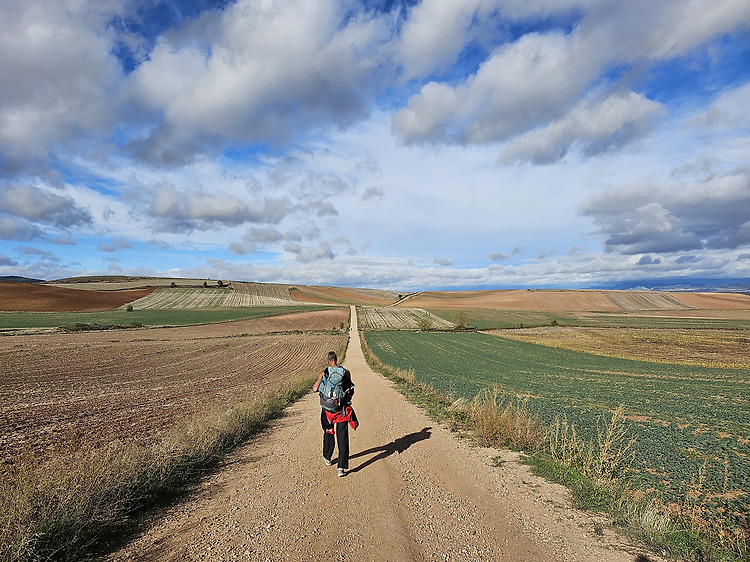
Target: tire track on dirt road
{"points": [[414, 492]]}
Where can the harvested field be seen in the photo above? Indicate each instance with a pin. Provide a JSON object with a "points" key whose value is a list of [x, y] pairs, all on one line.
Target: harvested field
{"points": [[32, 297], [210, 298], [513, 300], [705, 348], [726, 313], [635, 300], [716, 301], [262, 294], [63, 391], [388, 318], [580, 301], [184, 298]]}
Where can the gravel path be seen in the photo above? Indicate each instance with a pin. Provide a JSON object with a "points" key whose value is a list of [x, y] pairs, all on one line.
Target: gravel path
{"points": [[414, 492]]}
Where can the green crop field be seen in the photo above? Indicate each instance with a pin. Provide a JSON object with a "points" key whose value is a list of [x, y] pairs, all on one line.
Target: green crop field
{"points": [[10, 321], [689, 422]]}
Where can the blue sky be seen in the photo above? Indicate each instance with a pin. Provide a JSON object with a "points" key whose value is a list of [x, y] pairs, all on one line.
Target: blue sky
{"points": [[404, 145]]}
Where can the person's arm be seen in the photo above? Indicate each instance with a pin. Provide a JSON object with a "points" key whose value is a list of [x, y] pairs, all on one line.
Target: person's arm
{"points": [[349, 388], [316, 385]]}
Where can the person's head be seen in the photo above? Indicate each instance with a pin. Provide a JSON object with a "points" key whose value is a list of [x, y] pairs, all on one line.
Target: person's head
{"points": [[332, 357]]}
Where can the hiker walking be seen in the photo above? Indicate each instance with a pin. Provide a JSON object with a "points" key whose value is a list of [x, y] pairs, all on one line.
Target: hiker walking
{"points": [[336, 389]]}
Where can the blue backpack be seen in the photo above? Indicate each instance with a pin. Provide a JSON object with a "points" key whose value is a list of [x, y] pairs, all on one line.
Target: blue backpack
{"points": [[334, 392]]}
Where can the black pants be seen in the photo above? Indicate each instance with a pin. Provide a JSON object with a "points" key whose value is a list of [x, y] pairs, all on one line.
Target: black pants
{"points": [[329, 441]]}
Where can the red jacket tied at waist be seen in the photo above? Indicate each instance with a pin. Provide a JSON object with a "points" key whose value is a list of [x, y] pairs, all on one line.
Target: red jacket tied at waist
{"points": [[345, 415]]}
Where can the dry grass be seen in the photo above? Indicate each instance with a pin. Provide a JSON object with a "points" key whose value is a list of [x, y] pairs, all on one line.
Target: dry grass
{"points": [[57, 509], [499, 422], [604, 459]]}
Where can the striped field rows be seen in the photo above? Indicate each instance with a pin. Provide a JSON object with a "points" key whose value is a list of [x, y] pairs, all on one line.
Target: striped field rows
{"points": [[387, 318], [239, 295]]}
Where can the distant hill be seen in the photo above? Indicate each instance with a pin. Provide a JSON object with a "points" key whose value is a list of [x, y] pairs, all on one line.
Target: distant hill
{"points": [[36, 297], [103, 279], [17, 279], [573, 300], [70, 294]]}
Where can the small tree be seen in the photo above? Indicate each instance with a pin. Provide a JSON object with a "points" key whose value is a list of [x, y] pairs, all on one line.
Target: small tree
{"points": [[205, 284], [461, 320], [424, 324], [173, 284]]}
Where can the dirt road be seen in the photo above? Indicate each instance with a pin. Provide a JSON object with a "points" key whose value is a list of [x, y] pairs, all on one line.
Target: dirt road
{"points": [[414, 492]]}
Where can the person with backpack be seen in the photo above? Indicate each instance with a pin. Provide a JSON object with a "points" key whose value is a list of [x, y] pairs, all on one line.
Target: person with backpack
{"points": [[336, 389]]}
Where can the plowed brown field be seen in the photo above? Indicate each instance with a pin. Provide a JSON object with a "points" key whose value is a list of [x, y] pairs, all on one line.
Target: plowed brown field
{"points": [[328, 295], [86, 389], [32, 297]]}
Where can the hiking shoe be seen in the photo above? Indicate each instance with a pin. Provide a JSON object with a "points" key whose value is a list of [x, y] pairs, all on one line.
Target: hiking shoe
{"points": [[329, 462], [341, 472]]}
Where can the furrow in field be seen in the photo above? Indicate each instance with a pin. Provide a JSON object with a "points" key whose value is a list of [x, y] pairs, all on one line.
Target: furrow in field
{"points": [[242, 294], [90, 388], [384, 318]]}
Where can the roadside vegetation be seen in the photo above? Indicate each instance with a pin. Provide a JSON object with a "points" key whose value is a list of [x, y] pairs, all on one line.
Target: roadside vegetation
{"points": [[661, 449], [64, 507]]}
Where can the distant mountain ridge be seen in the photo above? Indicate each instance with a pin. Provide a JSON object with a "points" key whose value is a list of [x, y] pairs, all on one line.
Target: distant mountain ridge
{"points": [[684, 285]]}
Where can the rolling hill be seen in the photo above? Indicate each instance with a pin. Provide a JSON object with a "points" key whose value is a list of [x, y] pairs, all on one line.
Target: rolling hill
{"points": [[105, 293]]}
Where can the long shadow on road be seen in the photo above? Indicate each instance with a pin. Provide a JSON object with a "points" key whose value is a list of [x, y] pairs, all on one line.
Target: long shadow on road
{"points": [[396, 446]]}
